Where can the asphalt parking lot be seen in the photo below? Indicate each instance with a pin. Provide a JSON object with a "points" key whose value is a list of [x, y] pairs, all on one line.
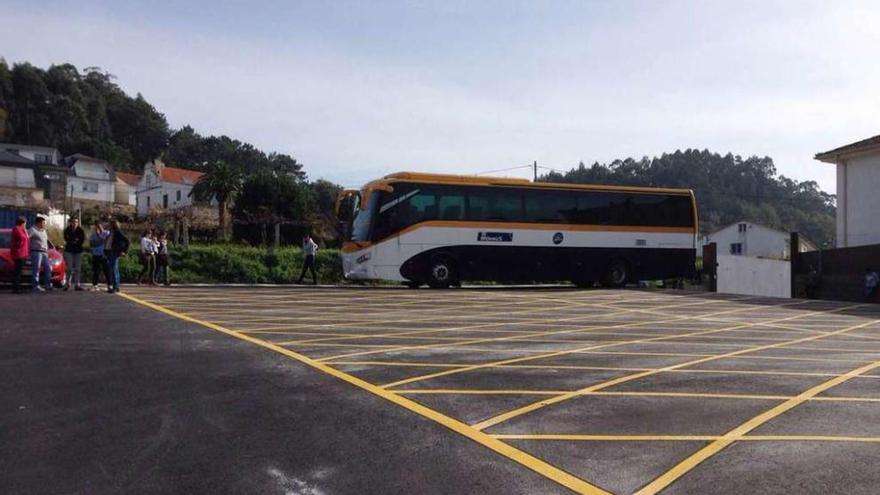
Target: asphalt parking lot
{"points": [[365, 390]]}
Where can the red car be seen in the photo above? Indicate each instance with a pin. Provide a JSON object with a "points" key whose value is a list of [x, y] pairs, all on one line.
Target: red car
{"points": [[56, 261]]}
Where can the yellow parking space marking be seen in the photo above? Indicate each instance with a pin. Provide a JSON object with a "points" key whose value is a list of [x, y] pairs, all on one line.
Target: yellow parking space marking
{"points": [[684, 438], [575, 367], [537, 465], [572, 331], [740, 431], [611, 438], [603, 393], [561, 398], [562, 353]]}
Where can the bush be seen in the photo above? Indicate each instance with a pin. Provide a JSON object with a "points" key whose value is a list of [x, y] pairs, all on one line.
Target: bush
{"points": [[226, 263]]}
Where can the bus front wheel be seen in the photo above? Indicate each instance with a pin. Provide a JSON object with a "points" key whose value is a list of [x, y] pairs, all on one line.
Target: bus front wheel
{"points": [[617, 273], [442, 273]]}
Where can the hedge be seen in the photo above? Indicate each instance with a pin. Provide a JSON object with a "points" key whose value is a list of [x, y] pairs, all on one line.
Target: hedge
{"points": [[227, 263]]}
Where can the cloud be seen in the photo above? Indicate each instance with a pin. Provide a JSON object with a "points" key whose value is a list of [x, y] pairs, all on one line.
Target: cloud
{"points": [[478, 91]]}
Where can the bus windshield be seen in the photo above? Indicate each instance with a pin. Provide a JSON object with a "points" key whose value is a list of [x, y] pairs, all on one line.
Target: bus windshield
{"points": [[363, 220]]}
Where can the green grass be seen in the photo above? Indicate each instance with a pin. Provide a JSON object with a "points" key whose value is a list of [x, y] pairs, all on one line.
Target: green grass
{"points": [[227, 263]]}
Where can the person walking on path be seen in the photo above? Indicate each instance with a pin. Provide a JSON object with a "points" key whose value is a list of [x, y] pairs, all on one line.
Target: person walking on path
{"points": [[99, 261], [162, 260], [310, 249], [148, 258], [117, 246], [74, 238], [38, 241], [19, 248], [871, 281]]}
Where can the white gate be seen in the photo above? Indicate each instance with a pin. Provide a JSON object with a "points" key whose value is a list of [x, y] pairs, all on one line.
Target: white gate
{"points": [[754, 276]]}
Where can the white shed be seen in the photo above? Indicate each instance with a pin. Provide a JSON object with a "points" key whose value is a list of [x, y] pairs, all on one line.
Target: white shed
{"points": [[858, 191]]}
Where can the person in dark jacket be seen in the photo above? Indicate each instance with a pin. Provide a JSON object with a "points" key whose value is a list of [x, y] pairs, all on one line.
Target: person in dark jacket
{"points": [[162, 260], [74, 238], [20, 250], [116, 247]]}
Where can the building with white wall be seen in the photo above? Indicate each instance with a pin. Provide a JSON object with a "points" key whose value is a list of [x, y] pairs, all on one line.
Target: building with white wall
{"points": [[90, 179], [755, 240], [858, 191], [49, 173], [163, 187], [126, 188], [18, 186], [37, 154]]}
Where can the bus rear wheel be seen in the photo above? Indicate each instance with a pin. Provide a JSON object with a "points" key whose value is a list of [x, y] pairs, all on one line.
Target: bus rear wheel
{"points": [[442, 273], [617, 273]]}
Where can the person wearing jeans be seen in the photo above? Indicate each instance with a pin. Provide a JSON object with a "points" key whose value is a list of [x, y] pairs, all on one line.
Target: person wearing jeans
{"points": [[115, 248], [99, 261], [74, 238], [39, 248]]}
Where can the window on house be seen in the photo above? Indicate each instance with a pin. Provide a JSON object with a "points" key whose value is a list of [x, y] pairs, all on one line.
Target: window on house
{"points": [[742, 227], [90, 187], [164, 201], [736, 248], [148, 201], [178, 195]]}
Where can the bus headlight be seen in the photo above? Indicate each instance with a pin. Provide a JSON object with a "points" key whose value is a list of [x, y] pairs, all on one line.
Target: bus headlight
{"points": [[363, 258]]}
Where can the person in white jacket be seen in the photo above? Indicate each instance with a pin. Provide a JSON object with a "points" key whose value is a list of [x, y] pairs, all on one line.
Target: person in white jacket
{"points": [[309, 250], [148, 258]]}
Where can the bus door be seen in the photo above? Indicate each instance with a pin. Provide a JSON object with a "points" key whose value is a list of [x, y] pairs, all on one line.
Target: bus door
{"points": [[346, 202]]}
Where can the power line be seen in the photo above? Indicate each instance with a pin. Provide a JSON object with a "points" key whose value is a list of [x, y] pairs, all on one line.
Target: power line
{"points": [[504, 169]]}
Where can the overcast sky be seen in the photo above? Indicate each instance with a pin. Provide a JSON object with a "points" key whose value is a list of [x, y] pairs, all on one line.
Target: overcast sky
{"points": [[358, 89]]}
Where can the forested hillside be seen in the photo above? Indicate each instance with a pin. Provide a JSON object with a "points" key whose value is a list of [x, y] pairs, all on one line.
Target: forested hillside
{"points": [[728, 188], [87, 112]]}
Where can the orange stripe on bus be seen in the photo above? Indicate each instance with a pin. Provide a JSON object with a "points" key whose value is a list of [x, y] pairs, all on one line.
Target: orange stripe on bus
{"points": [[350, 247]]}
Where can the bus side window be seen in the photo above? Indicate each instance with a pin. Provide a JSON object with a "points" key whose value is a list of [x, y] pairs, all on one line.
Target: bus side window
{"points": [[451, 206], [593, 208], [423, 207], [551, 206]]}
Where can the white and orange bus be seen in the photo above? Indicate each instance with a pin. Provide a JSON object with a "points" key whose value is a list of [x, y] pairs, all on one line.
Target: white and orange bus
{"points": [[443, 229]]}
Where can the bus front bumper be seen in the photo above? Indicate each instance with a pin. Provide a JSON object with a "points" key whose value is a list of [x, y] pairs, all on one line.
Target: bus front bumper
{"points": [[355, 266]]}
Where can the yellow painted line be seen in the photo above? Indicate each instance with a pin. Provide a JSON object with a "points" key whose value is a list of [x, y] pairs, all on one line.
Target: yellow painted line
{"points": [[806, 438], [476, 392], [684, 438], [537, 465], [740, 431], [611, 438], [696, 395], [616, 381]]}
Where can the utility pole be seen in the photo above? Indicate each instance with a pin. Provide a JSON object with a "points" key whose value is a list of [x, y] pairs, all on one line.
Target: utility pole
{"points": [[536, 171]]}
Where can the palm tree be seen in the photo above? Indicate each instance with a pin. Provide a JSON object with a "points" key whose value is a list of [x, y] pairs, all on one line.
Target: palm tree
{"points": [[222, 182]]}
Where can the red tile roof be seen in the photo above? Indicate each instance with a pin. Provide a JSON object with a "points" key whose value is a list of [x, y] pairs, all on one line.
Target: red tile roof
{"points": [[130, 179], [180, 175]]}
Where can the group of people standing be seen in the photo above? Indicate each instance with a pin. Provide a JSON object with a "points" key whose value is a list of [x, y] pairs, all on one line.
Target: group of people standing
{"points": [[107, 243], [154, 258]]}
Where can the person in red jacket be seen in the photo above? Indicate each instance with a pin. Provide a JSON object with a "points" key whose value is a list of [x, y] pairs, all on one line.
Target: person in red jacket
{"points": [[20, 250]]}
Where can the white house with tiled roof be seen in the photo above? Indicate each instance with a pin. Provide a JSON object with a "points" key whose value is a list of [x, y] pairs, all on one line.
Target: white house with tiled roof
{"points": [[858, 191], [90, 179], [163, 187]]}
